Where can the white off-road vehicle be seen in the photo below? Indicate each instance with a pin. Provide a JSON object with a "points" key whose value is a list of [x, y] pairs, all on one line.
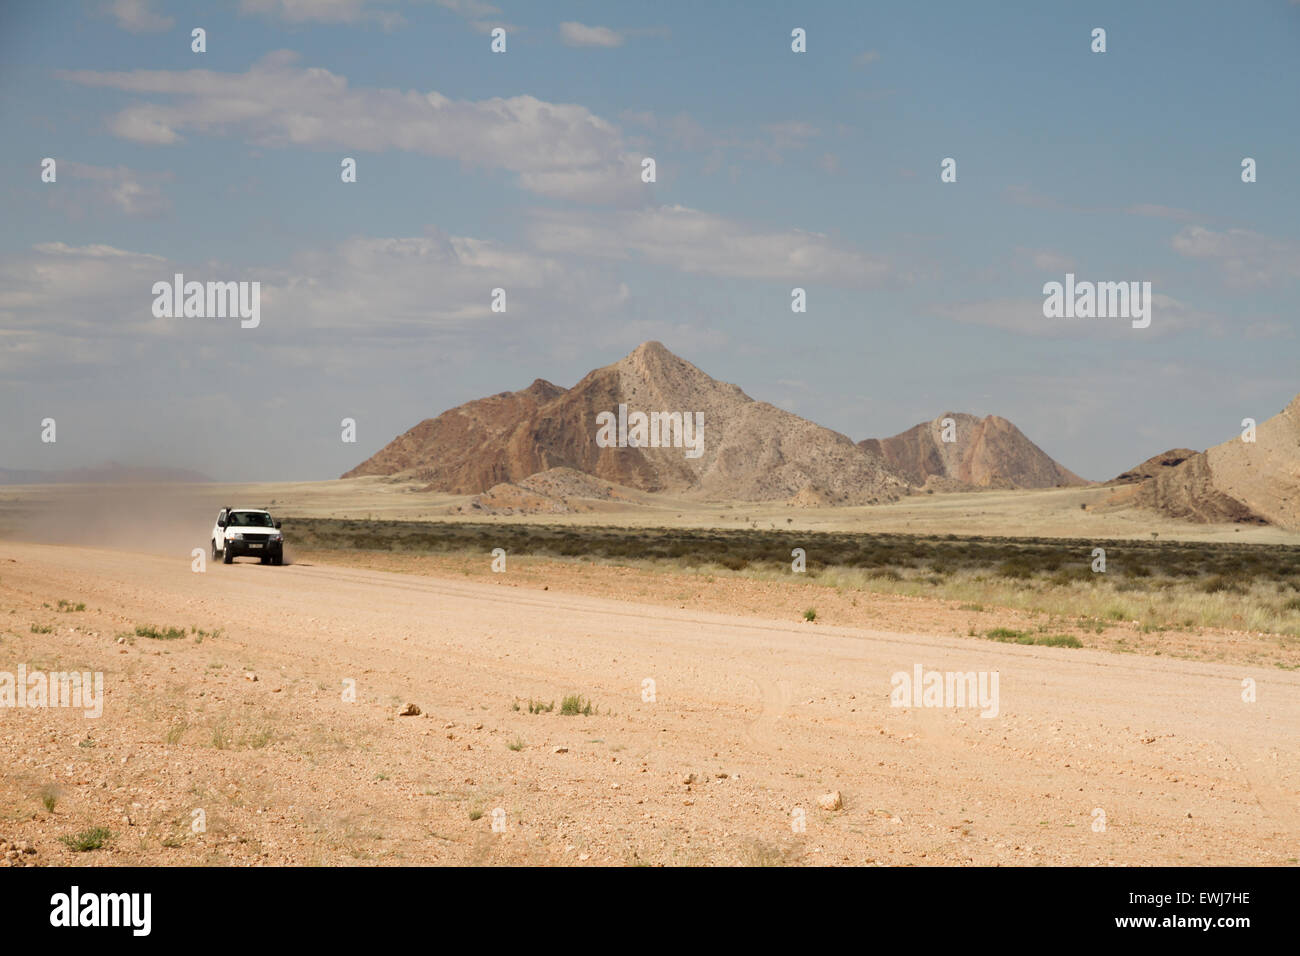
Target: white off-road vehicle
{"points": [[247, 532]]}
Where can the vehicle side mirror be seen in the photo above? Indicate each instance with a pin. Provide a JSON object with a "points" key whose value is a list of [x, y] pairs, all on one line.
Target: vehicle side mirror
{"points": [[277, 524], [221, 523]]}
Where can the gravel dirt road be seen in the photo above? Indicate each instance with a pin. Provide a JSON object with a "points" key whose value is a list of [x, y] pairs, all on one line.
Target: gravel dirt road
{"points": [[1093, 758]]}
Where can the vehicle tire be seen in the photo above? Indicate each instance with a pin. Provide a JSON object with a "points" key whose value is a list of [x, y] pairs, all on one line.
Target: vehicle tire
{"points": [[264, 560], [215, 553], [278, 560], [227, 556]]}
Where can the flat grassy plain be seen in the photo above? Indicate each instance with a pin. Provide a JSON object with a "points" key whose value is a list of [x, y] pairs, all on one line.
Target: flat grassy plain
{"points": [[1016, 559], [1158, 585]]}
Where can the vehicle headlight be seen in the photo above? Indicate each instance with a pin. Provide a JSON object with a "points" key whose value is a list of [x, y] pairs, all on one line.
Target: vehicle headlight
{"points": [[234, 536]]}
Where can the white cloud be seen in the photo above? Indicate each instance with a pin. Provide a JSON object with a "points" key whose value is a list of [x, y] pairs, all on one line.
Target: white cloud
{"points": [[768, 144], [1043, 260], [577, 34], [1024, 316], [481, 16], [323, 11], [1010, 315], [703, 244], [119, 188], [138, 16], [60, 304], [1156, 211], [1245, 258], [556, 149], [1051, 261], [470, 9], [141, 125], [92, 304], [791, 134], [381, 286], [373, 300]]}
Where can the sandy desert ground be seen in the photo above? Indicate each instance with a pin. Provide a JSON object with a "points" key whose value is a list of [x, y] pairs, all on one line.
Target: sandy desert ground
{"points": [[753, 719]]}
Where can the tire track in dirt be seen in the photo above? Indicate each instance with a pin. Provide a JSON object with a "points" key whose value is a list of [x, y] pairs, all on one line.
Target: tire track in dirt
{"points": [[1263, 777], [775, 697]]}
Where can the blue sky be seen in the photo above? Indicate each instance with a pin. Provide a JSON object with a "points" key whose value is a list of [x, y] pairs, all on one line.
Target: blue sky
{"points": [[521, 170]]}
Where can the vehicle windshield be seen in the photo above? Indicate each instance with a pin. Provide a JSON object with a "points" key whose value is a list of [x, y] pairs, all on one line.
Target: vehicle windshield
{"points": [[250, 519]]}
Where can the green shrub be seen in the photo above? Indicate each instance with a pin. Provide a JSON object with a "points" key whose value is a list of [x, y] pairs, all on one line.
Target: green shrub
{"points": [[159, 634], [92, 839], [575, 704]]}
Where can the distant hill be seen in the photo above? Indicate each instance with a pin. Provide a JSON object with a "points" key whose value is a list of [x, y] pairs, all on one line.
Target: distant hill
{"points": [[986, 453], [1154, 466], [1241, 481], [751, 450], [110, 473]]}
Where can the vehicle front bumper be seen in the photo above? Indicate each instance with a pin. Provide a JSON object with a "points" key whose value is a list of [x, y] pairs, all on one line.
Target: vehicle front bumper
{"points": [[239, 548]]}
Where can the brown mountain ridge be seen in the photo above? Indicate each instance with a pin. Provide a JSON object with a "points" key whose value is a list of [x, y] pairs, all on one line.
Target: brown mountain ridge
{"points": [[969, 453], [538, 449], [751, 450]]}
